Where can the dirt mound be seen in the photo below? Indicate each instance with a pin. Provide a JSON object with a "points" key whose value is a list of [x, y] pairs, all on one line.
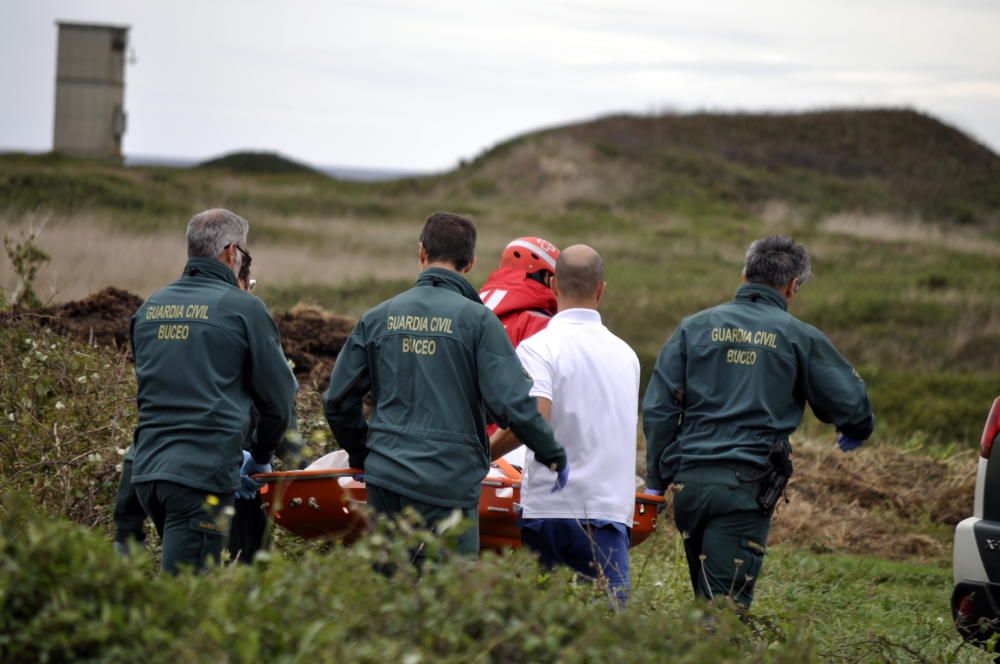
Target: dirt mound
{"points": [[878, 500], [101, 319], [310, 336]]}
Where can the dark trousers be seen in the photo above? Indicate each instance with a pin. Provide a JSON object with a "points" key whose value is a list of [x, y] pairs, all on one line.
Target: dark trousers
{"points": [[593, 551], [129, 515], [390, 503], [248, 533], [718, 515], [192, 524]]}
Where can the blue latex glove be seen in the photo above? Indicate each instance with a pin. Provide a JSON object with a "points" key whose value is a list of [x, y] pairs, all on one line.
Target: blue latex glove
{"points": [[847, 444], [249, 486], [562, 477], [653, 492]]}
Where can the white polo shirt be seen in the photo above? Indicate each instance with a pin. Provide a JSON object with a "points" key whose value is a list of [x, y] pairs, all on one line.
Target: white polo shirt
{"points": [[592, 378]]}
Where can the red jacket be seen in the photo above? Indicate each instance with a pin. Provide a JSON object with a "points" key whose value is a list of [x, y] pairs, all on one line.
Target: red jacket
{"points": [[523, 305]]}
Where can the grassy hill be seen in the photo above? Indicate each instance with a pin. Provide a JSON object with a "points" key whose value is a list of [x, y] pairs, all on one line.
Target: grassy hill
{"points": [[885, 160], [256, 162]]}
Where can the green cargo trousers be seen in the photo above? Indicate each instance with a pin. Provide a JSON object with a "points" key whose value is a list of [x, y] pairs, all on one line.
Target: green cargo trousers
{"points": [[390, 503], [192, 524], [724, 529]]}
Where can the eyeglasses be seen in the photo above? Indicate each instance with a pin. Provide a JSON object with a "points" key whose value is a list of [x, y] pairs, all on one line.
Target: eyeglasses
{"points": [[244, 275], [246, 256]]}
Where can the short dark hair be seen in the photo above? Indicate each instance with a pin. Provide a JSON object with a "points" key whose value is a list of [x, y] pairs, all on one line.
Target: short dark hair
{"points": [[579, 271], [774, 261], [449, 238]]}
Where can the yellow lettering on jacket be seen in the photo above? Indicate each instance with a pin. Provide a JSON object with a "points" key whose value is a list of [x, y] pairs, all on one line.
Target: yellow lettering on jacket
{"points": [[408, 323], [173, 332], [163, 311], [737, 335], [419, 346], [441, 324], [747, 357]]}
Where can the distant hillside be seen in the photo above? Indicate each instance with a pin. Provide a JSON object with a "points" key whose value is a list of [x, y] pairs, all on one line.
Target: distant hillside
{"points": [[897, 160], [256, 162]]}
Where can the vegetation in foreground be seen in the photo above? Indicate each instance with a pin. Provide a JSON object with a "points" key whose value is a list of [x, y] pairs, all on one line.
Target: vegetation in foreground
{"points": [[67, 597]]}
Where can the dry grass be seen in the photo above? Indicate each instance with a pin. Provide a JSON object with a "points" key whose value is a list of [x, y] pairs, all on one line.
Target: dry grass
{"points": [[88, 253], [888, 228], [881, 500], [556, 170]]}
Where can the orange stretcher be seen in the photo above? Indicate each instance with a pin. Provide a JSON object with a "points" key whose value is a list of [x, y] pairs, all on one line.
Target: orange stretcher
{"points": [[324, 503]]}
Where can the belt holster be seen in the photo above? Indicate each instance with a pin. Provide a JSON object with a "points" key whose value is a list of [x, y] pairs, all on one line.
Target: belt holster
{"points": [[775, 479]]}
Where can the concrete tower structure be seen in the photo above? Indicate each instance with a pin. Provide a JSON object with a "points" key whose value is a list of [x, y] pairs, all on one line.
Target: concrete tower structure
{"points": [[90, 90]]}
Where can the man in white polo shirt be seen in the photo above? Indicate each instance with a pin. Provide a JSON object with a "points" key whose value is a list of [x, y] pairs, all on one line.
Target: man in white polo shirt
{"points": [[586, 382]]}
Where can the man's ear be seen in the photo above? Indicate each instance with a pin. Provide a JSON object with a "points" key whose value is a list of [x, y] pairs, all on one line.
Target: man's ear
{"points": [[468, 268], [791, 289], [600, 292], [744, 277], [554, 285], [228, 256], [422, 254]]}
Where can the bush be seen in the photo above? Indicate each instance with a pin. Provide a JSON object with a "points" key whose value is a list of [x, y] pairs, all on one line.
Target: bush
{"points": [[67, 597]]}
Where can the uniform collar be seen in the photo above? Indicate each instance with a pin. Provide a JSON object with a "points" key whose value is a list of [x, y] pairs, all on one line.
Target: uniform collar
{"points": [[209, 268], [578, 316], [440, 277], [760, 292]]}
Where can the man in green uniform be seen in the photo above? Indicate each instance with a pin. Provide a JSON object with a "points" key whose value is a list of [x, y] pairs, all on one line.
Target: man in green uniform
{"points": [[728, 390], [438, 363], [205, 351]]}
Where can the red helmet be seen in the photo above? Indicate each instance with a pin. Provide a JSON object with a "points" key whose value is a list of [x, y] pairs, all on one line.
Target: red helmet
{"points": [[531, 254]]}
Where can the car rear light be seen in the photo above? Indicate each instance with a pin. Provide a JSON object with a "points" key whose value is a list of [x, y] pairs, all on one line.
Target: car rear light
{"points": [[964, 609], [991, 430]]}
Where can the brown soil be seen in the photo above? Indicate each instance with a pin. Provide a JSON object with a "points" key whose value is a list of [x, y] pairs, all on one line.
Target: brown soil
{"points": [[310, 336], [101, 319], [881, 500]]}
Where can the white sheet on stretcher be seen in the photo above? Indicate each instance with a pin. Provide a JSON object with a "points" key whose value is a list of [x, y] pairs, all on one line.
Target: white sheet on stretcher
{"points": [[337, 460]]}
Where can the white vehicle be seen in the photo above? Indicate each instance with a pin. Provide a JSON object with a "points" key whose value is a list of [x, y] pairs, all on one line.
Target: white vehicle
{"points": [[975, 603]]}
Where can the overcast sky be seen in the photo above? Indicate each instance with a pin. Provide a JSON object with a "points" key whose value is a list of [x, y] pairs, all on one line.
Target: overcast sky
{"points": [[419, 85]]}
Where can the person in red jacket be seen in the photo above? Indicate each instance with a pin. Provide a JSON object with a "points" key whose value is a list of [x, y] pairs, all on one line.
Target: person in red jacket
{"points": [[518, 291]]}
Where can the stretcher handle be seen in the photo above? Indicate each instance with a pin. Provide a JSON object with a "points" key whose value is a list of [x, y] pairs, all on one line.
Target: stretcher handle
{"points": [[293, 475], [507, 468]]}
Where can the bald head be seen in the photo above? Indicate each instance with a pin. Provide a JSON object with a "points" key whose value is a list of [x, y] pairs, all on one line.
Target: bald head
{"points": [[579, 275]]}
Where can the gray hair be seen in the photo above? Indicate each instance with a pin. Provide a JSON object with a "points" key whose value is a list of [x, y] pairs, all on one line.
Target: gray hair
{"points": [[211, 231], [774, 261]]}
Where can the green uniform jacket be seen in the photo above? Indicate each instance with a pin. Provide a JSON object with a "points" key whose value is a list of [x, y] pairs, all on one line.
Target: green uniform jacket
{"points": [[734, 378], [437, 362], [205, 351]]}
